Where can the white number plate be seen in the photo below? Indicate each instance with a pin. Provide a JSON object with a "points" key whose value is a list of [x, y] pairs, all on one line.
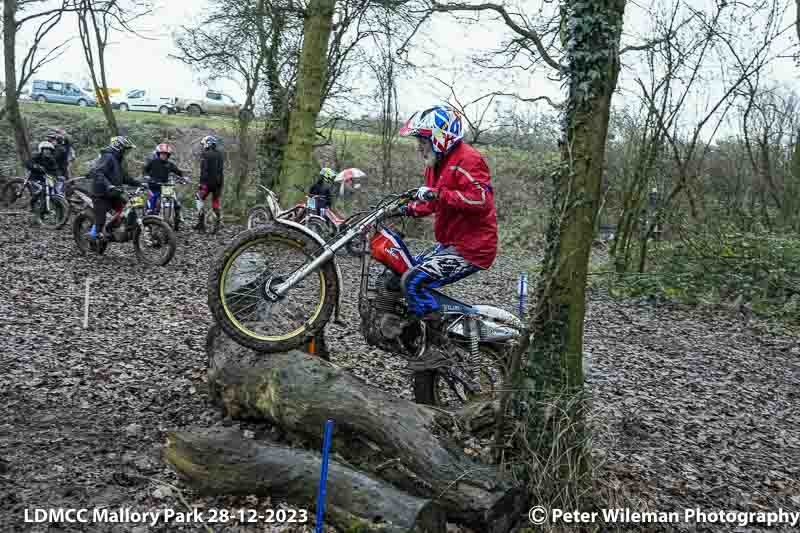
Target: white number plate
{"points": [[311, 203]]}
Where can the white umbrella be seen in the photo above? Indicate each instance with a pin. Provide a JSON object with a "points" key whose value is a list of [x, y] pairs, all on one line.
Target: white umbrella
{"points": [[347, 176]]}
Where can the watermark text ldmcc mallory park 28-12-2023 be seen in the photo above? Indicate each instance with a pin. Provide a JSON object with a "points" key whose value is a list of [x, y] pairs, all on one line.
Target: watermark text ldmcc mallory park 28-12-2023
{"points": [[539, 515]]}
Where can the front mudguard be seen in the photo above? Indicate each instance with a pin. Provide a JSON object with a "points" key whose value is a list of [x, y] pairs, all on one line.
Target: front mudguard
{"points": [[339, 285]]}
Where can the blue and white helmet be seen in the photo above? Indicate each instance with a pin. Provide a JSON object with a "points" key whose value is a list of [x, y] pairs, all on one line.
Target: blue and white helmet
{"points": [[440, 124]]}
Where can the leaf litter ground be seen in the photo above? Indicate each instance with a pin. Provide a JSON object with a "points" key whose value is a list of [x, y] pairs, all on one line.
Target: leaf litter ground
{"points": [[694, 407]]}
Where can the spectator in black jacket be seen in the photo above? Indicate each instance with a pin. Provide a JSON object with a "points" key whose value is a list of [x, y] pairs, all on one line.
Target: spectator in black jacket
{"points": [[63, 151], [212, 165], [159, 170], [58, 138], [42, 163], [108, 177]]}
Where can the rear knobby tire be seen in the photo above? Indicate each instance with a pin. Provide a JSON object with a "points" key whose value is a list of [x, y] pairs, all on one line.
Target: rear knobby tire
{"points": [[79, 224], [8, 195], [172, 244], [248, 339], [428, 385], [257, 216]]}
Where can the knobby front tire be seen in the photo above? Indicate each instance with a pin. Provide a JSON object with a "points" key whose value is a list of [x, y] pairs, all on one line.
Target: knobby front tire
{"points": [[172, 245], [224, 311]]}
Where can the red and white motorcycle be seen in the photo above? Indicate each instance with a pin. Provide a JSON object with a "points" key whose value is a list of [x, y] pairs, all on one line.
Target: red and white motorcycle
{"points": [[326, 222]]}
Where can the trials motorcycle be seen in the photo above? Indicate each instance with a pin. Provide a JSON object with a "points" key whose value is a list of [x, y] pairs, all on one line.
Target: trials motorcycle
{"points": [[277, 285]]}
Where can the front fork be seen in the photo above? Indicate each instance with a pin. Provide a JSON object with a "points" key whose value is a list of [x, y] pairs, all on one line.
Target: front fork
{"points": [[327, 254]]}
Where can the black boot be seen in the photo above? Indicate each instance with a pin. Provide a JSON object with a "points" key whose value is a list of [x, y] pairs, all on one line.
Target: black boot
{"points": [[218, 220], [201, 222]]}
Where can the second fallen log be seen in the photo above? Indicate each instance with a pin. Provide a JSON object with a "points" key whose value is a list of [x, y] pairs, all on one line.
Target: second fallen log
{"points": [[223, 462]]}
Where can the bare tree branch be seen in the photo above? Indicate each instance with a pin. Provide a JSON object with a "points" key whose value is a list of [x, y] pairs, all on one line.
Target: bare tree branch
{"points": [[528, 33]]}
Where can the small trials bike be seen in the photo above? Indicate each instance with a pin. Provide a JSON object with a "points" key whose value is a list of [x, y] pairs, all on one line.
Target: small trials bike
{"points": [[48, 206], [129, 224]]}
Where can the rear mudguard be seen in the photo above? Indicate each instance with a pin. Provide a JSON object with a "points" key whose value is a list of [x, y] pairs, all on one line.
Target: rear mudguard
{"points": [[321, 241], [87, 201]]}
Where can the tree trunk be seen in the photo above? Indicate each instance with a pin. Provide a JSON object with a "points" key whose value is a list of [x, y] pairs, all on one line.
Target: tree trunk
{"points": [[404, 443], [13, 114], [298, 167], [548, 402], [245, 149], [222, 462], [100, 36]]}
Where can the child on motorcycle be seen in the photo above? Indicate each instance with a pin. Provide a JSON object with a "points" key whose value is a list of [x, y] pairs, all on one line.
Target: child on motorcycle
{"points": [[159, 170], [108, 177], [42, 163], [323, 190]]}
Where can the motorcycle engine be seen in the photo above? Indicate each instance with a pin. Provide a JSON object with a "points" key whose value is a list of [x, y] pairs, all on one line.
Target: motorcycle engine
{"points": [[384, 322], [120, 232]]}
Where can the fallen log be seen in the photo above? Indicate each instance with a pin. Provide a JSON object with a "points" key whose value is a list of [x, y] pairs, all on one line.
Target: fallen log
{"points": [[403, 442], [221, 461]]}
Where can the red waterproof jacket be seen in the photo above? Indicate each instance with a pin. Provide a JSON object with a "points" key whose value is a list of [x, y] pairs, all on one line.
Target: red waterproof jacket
{"points": [[465, 213]]}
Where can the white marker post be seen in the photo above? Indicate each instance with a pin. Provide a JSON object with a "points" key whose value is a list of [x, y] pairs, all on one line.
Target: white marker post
{"points": [[86, 306]]}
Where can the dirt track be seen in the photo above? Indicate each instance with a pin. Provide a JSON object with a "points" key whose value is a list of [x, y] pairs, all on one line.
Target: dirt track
{"points": [[696, 408]]}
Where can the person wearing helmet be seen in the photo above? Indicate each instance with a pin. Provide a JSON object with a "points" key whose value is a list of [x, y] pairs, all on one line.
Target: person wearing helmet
{"points": [[323, 189], [159, 170], [57, 138], [212, 164], [459, 193], [108, 176], [43, 162]]}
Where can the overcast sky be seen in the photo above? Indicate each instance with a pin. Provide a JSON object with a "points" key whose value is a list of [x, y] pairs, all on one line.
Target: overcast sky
{"points": [[134, 62]]}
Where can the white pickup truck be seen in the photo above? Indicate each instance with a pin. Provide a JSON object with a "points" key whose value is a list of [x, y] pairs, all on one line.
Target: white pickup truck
{"points": [[211, 103], [144, 100]]}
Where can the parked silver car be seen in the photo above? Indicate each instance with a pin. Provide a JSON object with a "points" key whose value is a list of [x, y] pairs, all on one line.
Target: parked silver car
{"points": [[61, 93]]}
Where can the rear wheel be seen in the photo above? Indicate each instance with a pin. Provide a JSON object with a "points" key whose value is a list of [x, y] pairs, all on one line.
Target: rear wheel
{"points": [[444, 388], [15, 193], [80, 229], [320, 227], [258, 216], [154, 241], [258, 260]]}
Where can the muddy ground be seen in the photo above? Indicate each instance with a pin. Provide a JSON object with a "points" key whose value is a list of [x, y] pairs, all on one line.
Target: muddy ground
{"points": [[695, 407]]}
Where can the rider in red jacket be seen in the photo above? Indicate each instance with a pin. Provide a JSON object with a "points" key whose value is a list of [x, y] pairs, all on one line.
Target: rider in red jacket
{"points": [[458, 191]]}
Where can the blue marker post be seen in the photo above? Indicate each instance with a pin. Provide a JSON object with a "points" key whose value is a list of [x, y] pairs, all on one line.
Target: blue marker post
{"points": [[522, 287], [326, 448]]}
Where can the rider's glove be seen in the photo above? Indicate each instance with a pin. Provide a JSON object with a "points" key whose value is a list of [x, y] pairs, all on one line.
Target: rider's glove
{"points": [[426, 194], [401, 211]]}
